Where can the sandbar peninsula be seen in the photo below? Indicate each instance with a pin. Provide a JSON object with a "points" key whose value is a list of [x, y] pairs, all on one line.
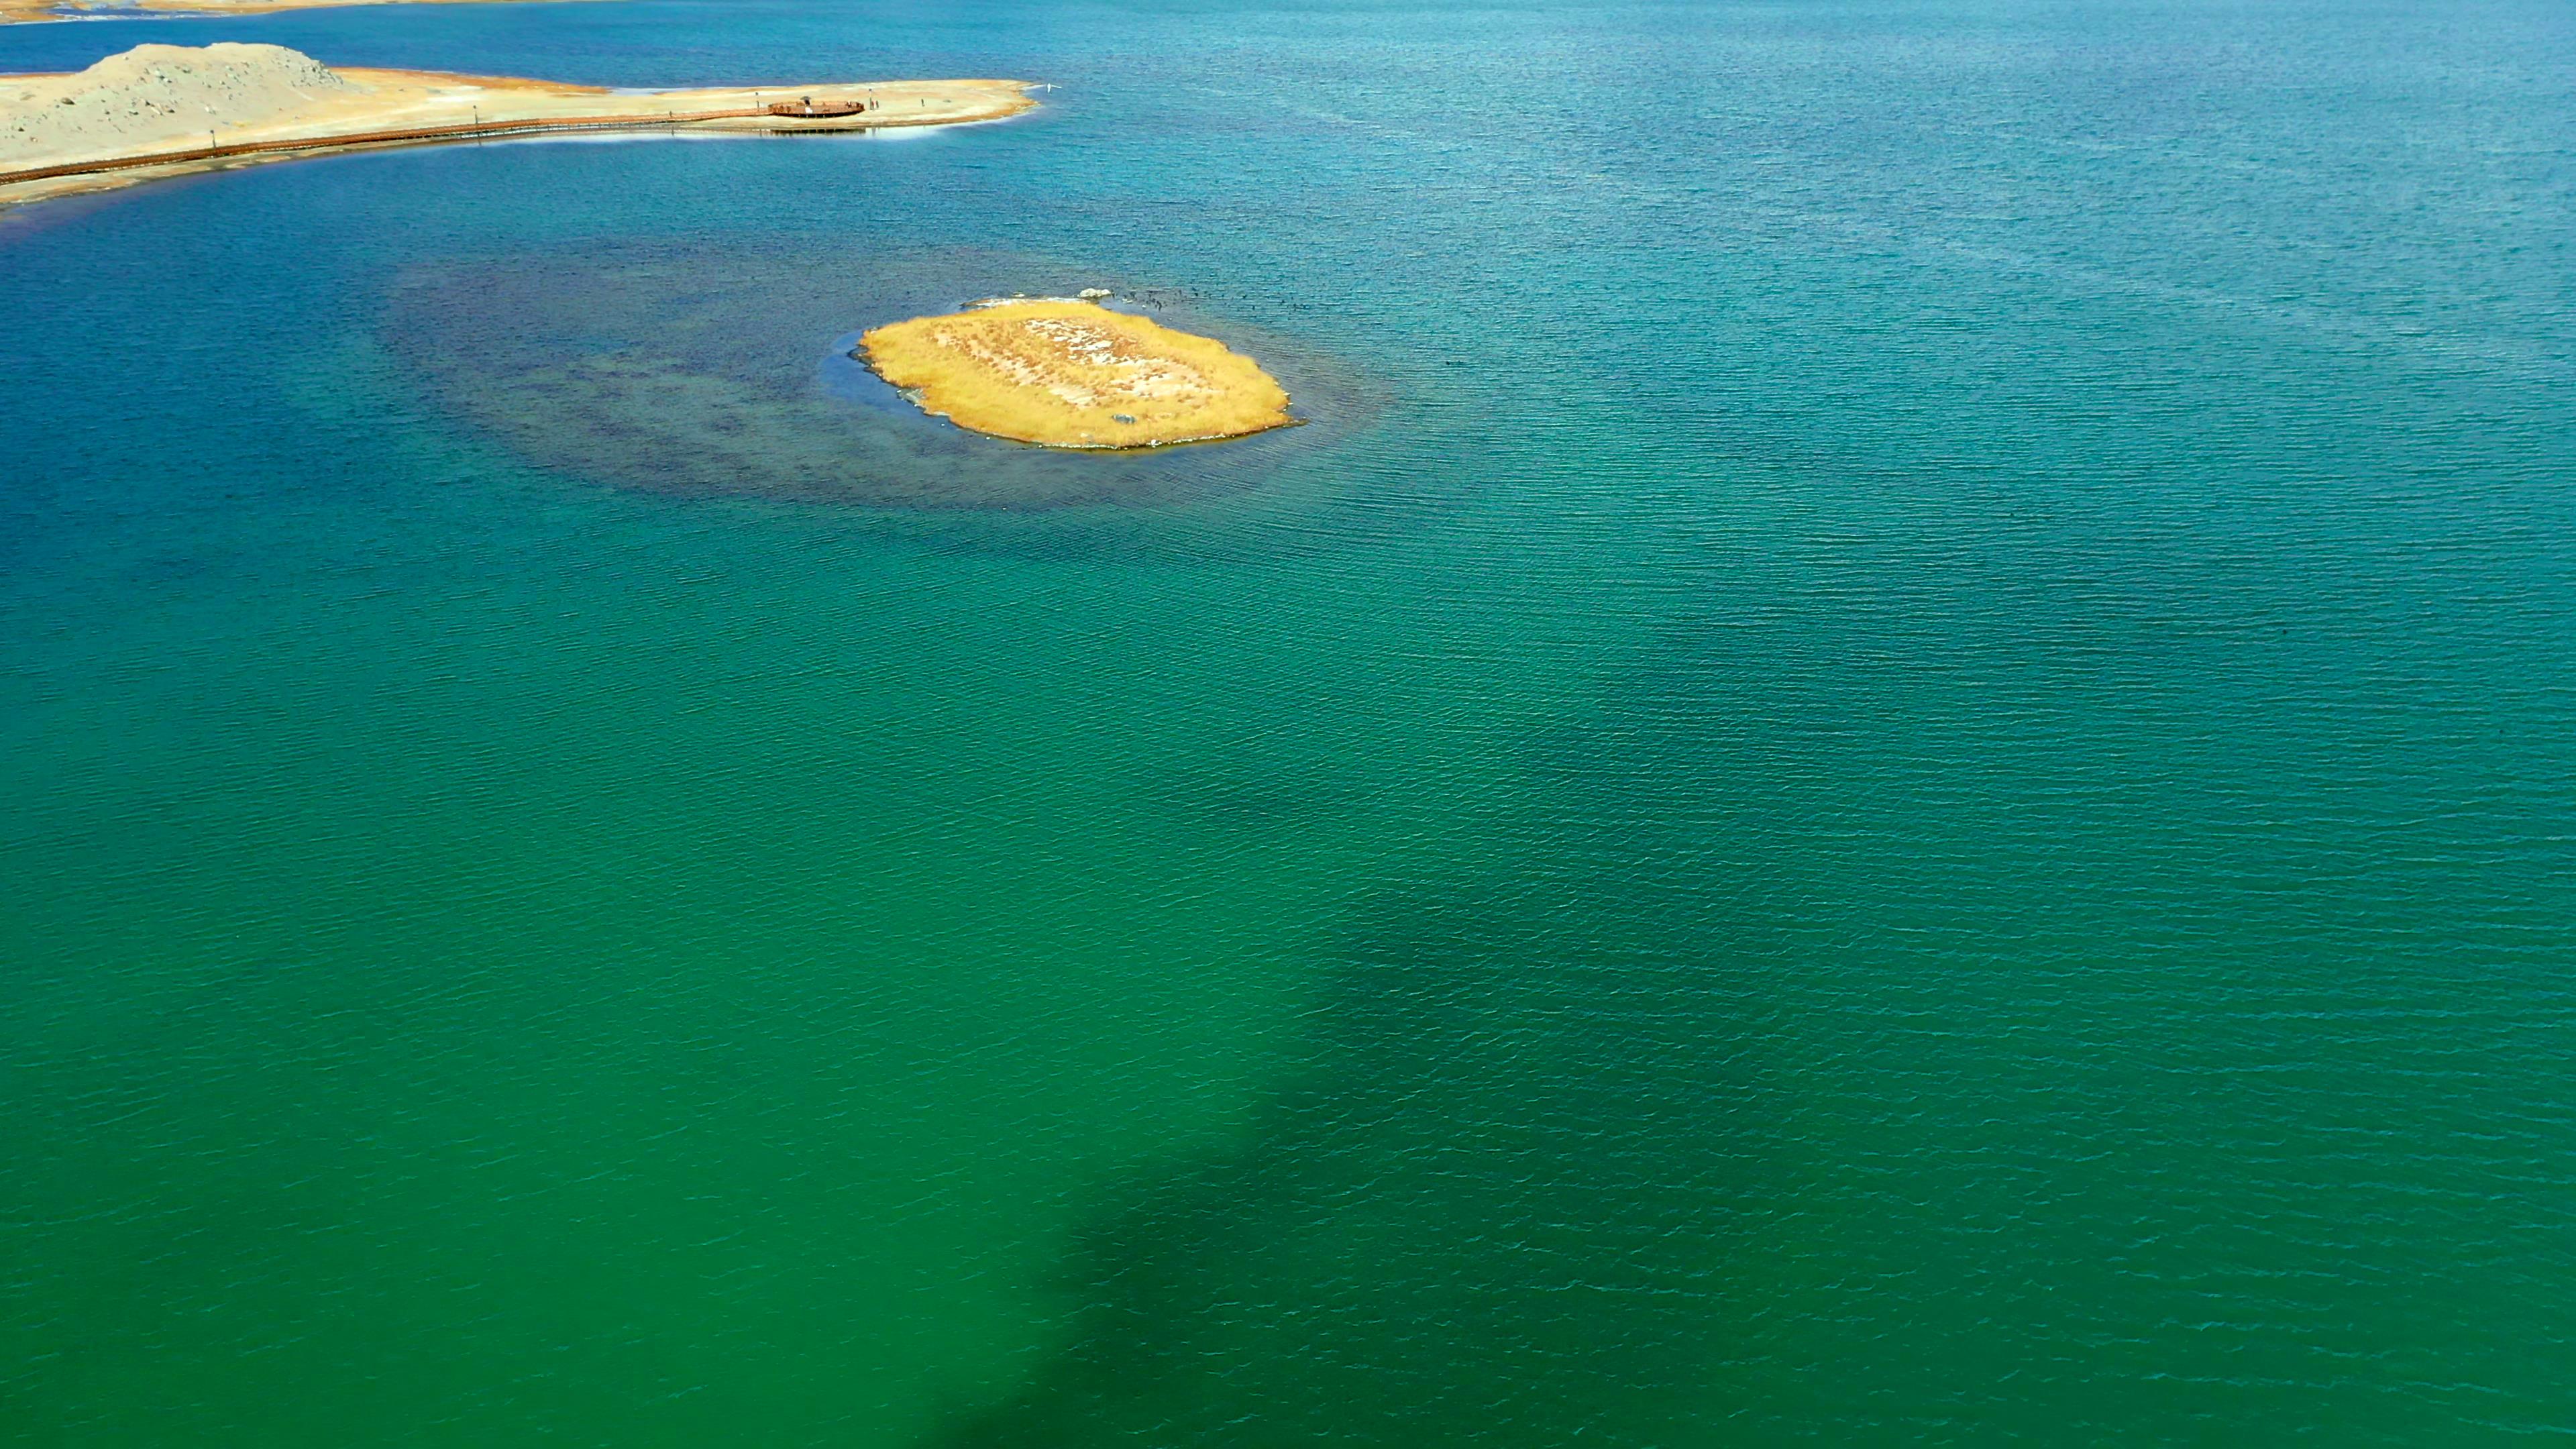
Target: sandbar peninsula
{"points": [[162, 110], [25, 12], [1068, 373]]}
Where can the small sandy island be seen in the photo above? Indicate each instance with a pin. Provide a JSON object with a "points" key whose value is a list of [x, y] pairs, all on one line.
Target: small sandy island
{"points": [[162, 110], [13, 12], [1069, 373]]}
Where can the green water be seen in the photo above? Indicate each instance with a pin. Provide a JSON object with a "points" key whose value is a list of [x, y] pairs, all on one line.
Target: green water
{"points": [[1895, 766]]}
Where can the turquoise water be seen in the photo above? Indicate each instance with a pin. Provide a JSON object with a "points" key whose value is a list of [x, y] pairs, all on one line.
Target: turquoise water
{"points": [[1897, 766]]}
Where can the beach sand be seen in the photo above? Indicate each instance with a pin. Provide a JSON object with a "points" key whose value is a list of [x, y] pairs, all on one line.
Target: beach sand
{"points": [[1070, 374], [23, 12], [214, 106]]}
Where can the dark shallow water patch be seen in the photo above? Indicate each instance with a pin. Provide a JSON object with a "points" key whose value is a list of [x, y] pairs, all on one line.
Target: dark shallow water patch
{"points": [[1492, 1201], [724, 372]]}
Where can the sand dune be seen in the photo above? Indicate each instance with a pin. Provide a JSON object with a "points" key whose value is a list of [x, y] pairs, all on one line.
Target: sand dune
{"points": [[160, 109], [157, 96]]}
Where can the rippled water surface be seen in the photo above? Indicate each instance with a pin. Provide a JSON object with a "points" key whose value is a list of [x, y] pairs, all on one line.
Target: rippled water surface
{"points": [[1897, 765]]}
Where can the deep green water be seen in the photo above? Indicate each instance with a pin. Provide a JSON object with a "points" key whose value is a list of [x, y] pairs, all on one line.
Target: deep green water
{"points": [[1897, 766]]}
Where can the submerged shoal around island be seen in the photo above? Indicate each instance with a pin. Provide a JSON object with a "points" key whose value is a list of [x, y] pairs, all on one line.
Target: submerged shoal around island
{"points": [[171, 100], [1067, 373]]}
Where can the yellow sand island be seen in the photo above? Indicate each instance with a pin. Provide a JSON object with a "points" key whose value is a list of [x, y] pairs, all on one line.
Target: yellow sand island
{"points": [[161, 110], [1068, 373]]}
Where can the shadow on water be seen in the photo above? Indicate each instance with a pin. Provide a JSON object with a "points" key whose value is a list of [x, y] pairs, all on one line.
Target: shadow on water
{"points": [[1491, 1205], [723, 372]]}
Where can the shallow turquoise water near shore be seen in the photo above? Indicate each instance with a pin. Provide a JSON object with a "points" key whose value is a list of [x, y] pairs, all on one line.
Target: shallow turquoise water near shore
{"points": [[1907, 777]]}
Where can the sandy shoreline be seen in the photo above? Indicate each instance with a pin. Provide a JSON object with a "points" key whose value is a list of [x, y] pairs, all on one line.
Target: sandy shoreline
{"points": [[165, 110], [34, 12]]}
